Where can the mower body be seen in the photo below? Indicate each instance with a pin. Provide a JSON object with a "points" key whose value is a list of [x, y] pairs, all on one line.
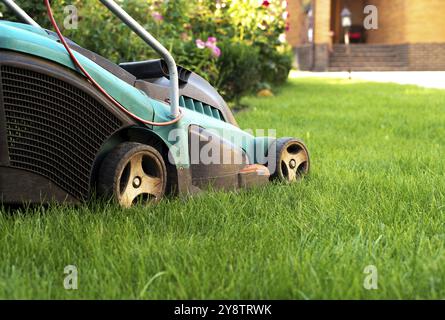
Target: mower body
{"points": [[56, 128]]}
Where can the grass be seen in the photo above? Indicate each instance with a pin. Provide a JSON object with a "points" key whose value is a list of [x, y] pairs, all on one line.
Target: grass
{"points": [[376, 196]]}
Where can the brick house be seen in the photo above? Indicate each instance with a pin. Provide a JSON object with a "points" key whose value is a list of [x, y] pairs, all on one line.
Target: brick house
{"points": [[410, 35]]}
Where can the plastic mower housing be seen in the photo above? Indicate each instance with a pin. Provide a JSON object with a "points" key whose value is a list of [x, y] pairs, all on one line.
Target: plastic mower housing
{"points": [[136, 135]]}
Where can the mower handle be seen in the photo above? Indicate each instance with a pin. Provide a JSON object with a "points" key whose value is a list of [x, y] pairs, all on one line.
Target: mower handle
{"points": [[140, 31], [20, 13], [156, 45]]}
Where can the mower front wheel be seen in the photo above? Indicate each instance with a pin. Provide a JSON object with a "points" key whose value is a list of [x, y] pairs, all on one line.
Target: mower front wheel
{"points": [[291, 159], [133, 173]]}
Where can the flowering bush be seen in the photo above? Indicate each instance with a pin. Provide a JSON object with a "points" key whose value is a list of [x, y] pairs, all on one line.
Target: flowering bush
{"points": [[197, 33]]}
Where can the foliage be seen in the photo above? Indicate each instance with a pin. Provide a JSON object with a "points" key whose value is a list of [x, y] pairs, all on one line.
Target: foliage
{"points": [[183, 26], [275, 65], [238, 69]]}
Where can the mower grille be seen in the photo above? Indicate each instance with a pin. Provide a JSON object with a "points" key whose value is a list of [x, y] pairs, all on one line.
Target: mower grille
{"points": [[53, 128], [198, 106]]}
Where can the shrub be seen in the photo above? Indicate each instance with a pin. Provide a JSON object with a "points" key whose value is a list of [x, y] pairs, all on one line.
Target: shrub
{"points": [[238, 70], [276, 65], [234, 44], [199, 60]]}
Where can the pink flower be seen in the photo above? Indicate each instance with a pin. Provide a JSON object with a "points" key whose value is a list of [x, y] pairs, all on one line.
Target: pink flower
{"points": [[157, 16], [211, 41], [210, 44], [200, 44], [216, 52], [266, 3]]}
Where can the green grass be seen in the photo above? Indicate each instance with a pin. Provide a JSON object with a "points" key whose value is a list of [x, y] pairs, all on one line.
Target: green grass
{"points": [[375, 196]]}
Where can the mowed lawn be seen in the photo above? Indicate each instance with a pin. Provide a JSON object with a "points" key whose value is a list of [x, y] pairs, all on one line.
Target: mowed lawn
{"points": [[375, 196]]}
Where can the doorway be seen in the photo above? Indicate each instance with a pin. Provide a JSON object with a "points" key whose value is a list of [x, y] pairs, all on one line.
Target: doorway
{"points": [[357, 31]]}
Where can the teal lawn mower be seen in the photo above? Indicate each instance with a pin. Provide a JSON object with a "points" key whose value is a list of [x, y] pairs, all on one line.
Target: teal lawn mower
{"points": [[74, 125]]}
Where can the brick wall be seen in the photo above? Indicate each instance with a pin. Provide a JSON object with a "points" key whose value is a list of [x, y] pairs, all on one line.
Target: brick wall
{"points": [[426, 57], [304, 57], [321, 57], [425, 21], [415, 28], [322, 21], [409, 21], [400, 21], [391, 22], [312, 57], [322, 35], [297, 27]]}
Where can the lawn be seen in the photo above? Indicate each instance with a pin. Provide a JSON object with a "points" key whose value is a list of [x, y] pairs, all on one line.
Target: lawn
{"points": [[375, 196]]}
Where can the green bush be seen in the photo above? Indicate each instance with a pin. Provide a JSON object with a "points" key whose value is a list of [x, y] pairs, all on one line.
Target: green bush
{"points": [[201, 61], [275, 66], [234, 44], [238, 70]]}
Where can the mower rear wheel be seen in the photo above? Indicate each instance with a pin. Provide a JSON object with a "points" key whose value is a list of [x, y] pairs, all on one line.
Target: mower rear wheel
{"points": [[133, 173], [291, 160]]}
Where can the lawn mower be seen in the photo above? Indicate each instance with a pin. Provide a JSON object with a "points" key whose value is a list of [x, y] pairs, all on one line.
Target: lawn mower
{"points": [[74, 125]]}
